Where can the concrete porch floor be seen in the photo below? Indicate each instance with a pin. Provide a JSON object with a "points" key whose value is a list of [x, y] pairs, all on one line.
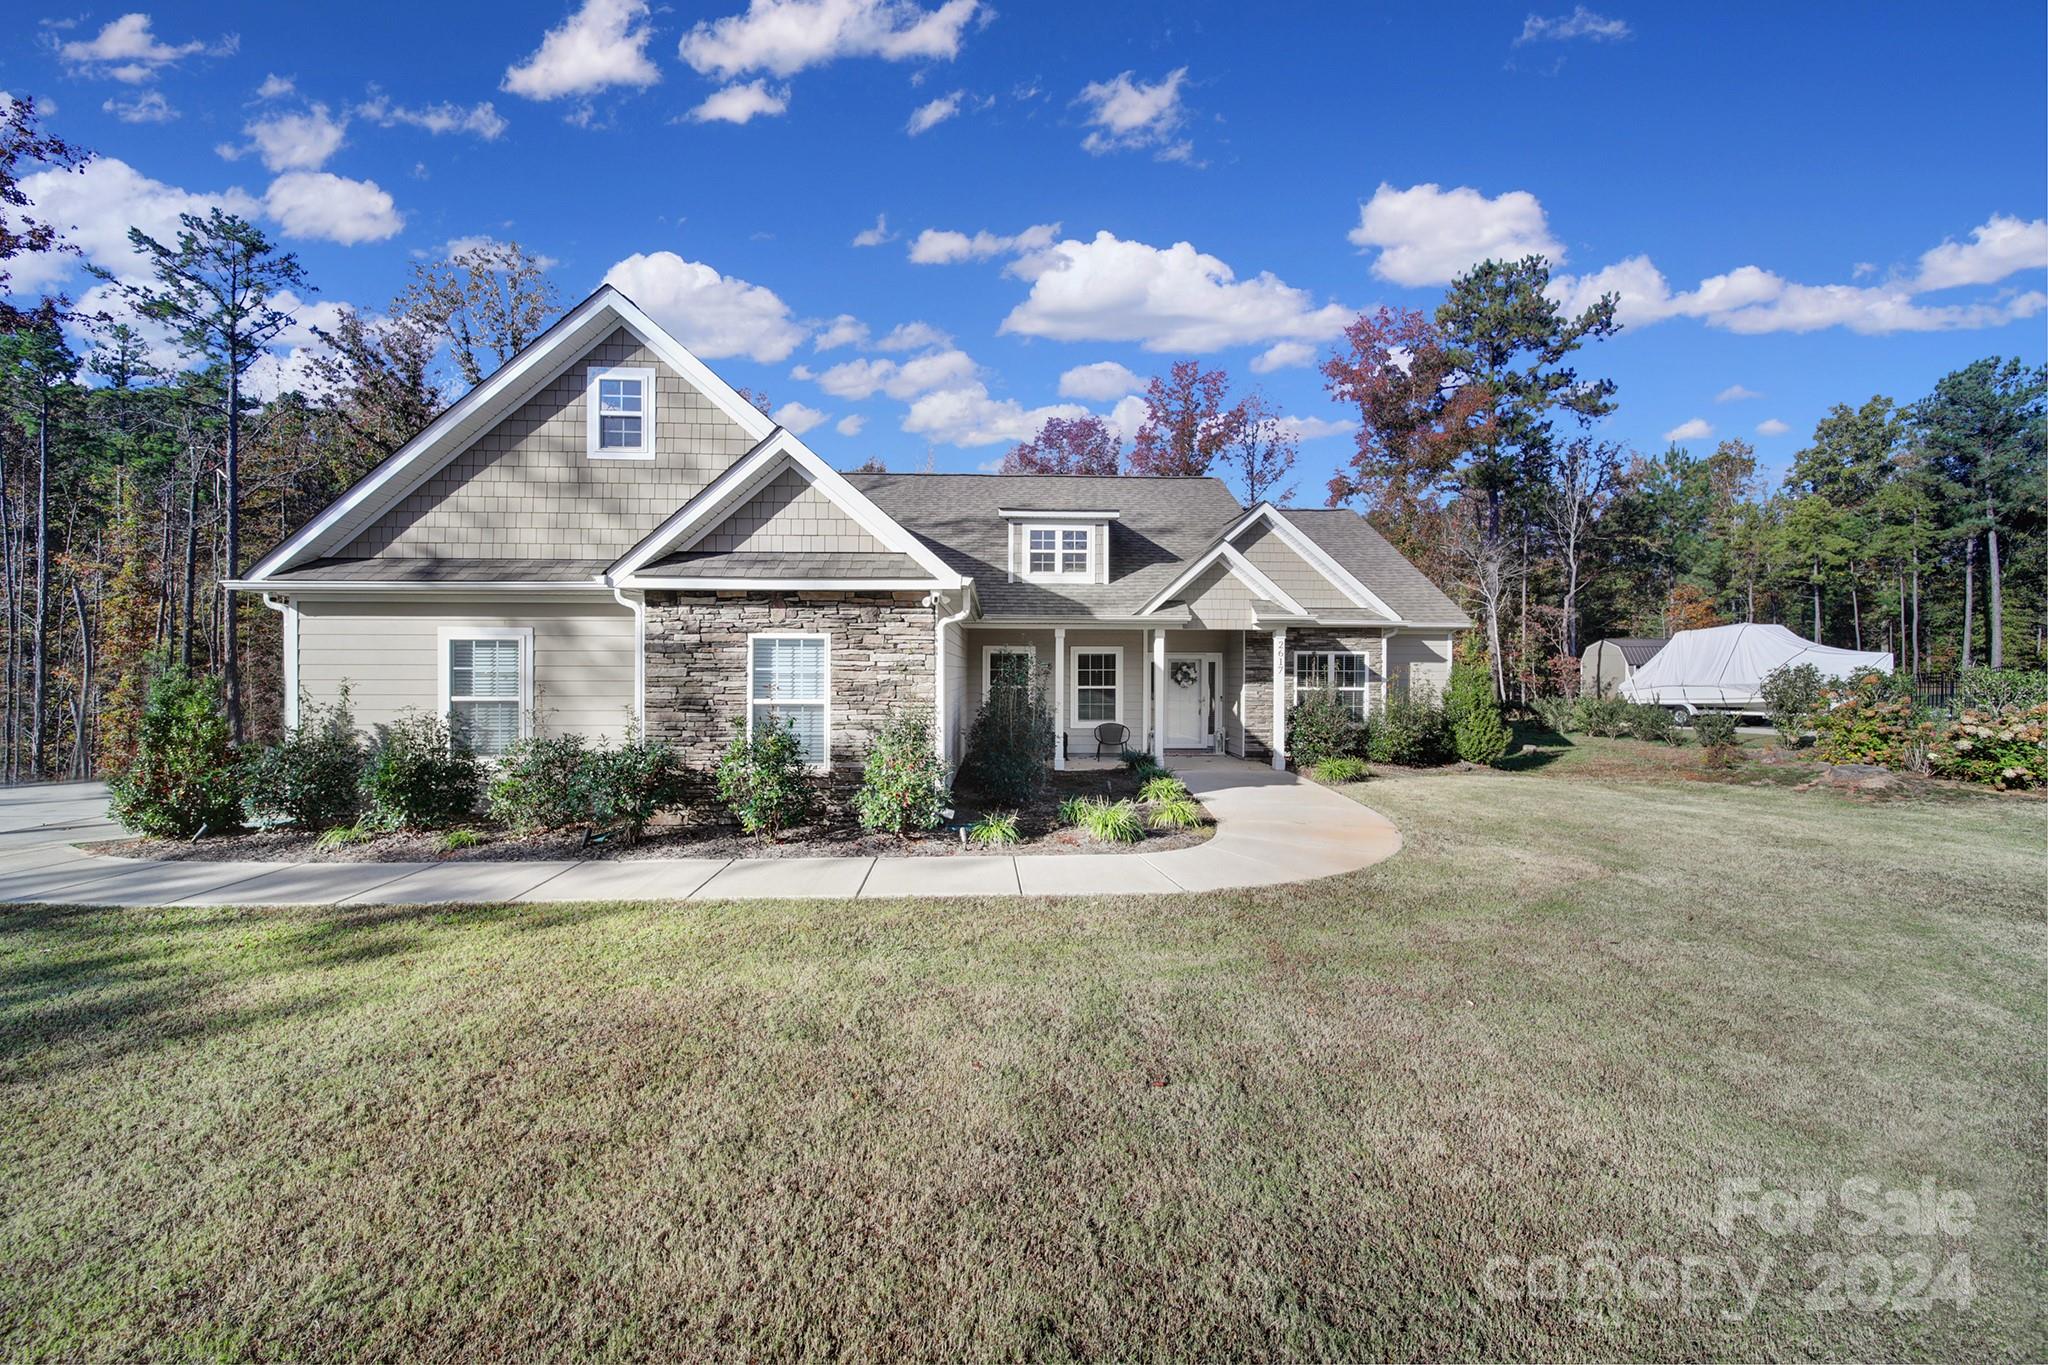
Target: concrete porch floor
{"points": [[1271, 828]]}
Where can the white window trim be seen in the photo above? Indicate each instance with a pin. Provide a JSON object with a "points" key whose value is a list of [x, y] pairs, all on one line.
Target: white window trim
{"points": [[1364, 690], [447, 635], [988, 653], [825, 764], [645, 374], [1086, 574], [1074, 685]]}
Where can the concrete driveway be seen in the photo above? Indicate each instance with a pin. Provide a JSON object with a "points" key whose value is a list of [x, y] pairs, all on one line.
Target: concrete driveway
{"points": [[1271, 828]]}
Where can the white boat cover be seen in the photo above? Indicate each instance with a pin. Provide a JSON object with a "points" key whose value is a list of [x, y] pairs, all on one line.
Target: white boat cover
{"points": [[1726, 665]]}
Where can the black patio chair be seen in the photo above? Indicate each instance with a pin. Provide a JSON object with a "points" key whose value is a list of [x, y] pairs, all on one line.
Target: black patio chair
{"points": [[1113, 737]]}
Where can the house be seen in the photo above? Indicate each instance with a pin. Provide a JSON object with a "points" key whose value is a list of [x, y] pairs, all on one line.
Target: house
{"points": [[604, 534]]}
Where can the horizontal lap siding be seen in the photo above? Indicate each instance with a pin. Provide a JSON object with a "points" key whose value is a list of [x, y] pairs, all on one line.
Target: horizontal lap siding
{"points": [[1417, 660], [388, 653]]}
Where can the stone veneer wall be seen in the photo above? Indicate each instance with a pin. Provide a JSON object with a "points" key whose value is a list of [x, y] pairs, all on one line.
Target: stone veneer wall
{"points": [[882, 664], [1258, 695]]}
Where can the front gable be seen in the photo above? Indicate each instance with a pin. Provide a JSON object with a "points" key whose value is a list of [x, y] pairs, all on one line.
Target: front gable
{"points": [[1302, 581], [789, 515]]}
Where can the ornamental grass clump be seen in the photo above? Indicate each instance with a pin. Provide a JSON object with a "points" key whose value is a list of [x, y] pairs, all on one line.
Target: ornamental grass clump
{"points": [[997, 829], [1179, 812], [902, 783], [1338, 771], [1165, 787], [1113, 822]]}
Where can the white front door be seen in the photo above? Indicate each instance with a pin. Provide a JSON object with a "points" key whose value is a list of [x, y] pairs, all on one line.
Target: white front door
{"points": [[1190, 701]]}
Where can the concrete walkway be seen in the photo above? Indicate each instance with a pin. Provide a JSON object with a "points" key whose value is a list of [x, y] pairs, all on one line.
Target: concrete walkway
{"points": [[1271, 828]]}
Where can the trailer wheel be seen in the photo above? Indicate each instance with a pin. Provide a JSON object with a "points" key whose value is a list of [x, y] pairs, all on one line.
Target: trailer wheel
{"points": [[1681, 713]]}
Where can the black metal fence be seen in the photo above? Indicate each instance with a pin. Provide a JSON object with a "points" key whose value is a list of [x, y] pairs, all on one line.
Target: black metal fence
{"points": [[1936, 694]]}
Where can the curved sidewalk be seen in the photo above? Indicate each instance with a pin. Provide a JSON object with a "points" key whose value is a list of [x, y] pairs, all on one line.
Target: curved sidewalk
{"points": [[1271, 828]]}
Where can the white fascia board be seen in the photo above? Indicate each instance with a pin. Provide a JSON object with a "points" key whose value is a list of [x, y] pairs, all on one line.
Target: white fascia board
{"points": [[511, 384], [782, 584], [336, 587], [1058, 514], [698, 517], [1340, 577]]}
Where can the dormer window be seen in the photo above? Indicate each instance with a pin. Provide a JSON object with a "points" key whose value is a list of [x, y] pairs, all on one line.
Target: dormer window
{"points": [[1058, 544], [1058, 552], [621, 405]]}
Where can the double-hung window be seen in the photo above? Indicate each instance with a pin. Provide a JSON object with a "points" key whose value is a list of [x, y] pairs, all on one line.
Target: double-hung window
{"points": [[1346, 672], [1097, 673], [621, 404], [1006, 675], [486, 685], [788, 684], [1058, 552]]}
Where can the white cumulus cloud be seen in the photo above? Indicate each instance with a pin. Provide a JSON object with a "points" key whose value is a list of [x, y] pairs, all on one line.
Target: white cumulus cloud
{"points": [[910, 336], [800, 417], [1580, 23], [293, 142], [148, 107], [482, 118], [850, 424], [783, 37], [2002, 246], [603, 44], [903, 380], [968, 416], [1314, 428], [1736, 393], [1427, 234], [1284, 355], [94, 208], [930, 115], [943, 246], [714, 315], [1166, 298], [1692, 429], [331, 208], [1125, 114], [742, 103], [876, 235], [1101, 380], [129, 50], [1771, 426]]}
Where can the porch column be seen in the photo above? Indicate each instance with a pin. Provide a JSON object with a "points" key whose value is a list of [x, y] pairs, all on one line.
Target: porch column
{"points": [[1279, 698], [1144, 694], [1059, 692], [1159, 695]]}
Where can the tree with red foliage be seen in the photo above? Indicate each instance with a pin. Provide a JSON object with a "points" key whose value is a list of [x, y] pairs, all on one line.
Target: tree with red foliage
{"points": [[1260, 454], [1187, 421], [1067, 445]]}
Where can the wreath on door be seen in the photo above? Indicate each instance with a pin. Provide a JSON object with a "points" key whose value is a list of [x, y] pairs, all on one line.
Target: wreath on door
{"points": [[1184, 674]]}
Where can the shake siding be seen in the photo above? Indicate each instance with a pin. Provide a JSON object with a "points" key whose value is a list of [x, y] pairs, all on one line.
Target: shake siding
{"points": [[1219, 600], [790, 515], [1297, 577], [1415, 660], [389, 655], [528, 487]]}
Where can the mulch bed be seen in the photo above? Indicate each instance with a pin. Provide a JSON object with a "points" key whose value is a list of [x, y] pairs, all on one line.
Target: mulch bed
{"points": [[707, 837]]}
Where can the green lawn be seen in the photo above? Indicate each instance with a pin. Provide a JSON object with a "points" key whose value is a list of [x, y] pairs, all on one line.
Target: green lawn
{"points": [[1291, 1122]]}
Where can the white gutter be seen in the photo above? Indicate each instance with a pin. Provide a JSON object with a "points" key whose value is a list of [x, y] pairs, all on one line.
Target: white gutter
{"points": [[939, 664], [291, 657], [639, 609]]}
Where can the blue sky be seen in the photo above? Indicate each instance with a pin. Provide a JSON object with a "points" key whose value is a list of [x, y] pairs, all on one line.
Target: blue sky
{"points": [[1808, 204]]}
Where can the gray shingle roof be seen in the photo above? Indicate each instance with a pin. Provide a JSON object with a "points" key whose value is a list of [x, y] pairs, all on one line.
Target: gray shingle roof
{"points": [[1163, 524], [1350, 540], [785, 564], [391, 569]]}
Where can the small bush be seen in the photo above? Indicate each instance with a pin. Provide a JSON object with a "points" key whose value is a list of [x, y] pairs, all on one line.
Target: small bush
{"points": [[1471, 687], [903, 782], [184, 779], [1073, 809], [1650, 722], [2001, 689], [995, 829], [542, 783], [1319, 727], [763, 779], [455, 840], [1113, 822], [1410, 732], [1010, 744], [2005, 750], [1181, 812], [418, 777], [1607, 717], [1338, 771], [1715, 730], [1136, 759], [1559, 715], [1868, 722], [312, 778], [1482, 736], [341, 836], [631, 782], [1165, 787], [1791, 694]]}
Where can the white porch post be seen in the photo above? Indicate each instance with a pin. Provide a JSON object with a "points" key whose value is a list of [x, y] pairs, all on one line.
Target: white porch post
{"points": [[1144, 716], [1158, 675], [1280, 698], [1059, 691]]}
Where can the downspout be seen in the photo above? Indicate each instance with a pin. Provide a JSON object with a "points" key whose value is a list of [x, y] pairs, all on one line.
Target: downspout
{"points": [[638, 606], [936, 600], [291, 657]]}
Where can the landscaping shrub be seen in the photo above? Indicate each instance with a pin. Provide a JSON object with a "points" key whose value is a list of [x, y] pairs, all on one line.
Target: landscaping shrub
{"points": [[455, 840], [1471, 686], [1073, 809], [1559, 715], [1868, 722], [341, 836], [631, 782], [312, 778], [1319, 727], [184, 778], [1482, 736], [418, 777], [996, 829], [902, 784], [1338, 771], [1715, 731], [1410, 731], [763, 780], [1010, 744], [1791, 694], [1651, 722], [2006, 750], [1112, 822], [542, 783], [2000, 689], [1165, 787], [1607, 717], [1180, 812]]}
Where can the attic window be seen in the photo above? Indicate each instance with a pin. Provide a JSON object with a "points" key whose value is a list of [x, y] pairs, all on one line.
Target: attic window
{"points": [[621, 405], [1059, 552]]}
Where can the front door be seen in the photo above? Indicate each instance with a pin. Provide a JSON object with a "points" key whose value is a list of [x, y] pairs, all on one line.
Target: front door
{"points": [[1191, 701]]}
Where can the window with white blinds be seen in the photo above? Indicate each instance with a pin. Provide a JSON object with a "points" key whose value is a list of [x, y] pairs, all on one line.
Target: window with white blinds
{"points": [[484, 682], [788, 683]]}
